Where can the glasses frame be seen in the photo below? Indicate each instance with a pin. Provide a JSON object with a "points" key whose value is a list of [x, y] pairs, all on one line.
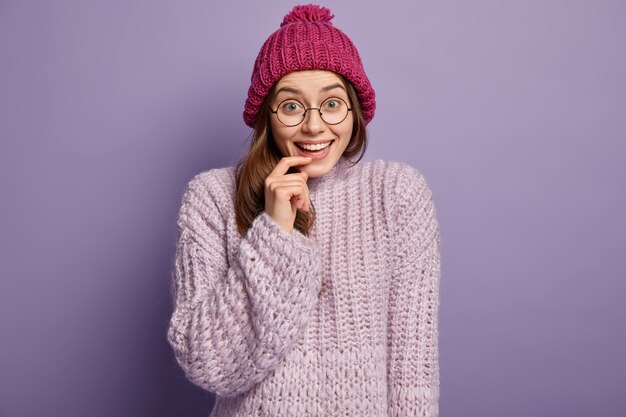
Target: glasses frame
{"points": [[306, 109]]}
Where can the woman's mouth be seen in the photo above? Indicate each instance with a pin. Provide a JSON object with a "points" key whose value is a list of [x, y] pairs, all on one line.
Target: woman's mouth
{"points": [[315, 151]]}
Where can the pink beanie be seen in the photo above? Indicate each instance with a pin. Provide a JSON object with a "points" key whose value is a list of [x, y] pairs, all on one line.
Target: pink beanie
{"points": [[307, 40]]}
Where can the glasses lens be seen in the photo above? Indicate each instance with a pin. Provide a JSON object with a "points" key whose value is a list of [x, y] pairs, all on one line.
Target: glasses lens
{"points": [[290, 112], [334, 110]]}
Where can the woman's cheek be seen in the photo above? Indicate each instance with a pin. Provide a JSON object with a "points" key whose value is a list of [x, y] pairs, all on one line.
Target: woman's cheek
{"points": [[287, 149]]}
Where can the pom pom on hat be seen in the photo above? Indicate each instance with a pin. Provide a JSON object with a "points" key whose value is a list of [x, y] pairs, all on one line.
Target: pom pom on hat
{"points": [[307, 40], [308, 13]]}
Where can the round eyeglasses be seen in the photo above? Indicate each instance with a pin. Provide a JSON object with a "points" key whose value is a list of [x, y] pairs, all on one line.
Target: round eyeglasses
{"points": [[291, 112]]}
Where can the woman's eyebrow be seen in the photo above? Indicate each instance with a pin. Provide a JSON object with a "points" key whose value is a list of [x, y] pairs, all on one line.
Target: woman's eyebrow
{"points": [[289, 90], [333, 86], [297, 91]]}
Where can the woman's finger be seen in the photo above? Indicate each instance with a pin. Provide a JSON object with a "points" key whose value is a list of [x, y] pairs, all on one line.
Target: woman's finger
{"points": [[277, 188], [298, 176], [287, 162], [287, 192]]}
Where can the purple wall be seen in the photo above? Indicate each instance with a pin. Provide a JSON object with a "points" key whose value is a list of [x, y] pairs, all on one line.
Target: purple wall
{"points": [[515, 111]]}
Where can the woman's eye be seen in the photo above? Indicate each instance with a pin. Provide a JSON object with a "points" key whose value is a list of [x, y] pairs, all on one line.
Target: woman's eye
{"points": [[290, 107], [332, 104]]}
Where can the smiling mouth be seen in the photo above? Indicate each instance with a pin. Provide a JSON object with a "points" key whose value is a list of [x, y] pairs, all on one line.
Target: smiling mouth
{"points": [[312, 148]]}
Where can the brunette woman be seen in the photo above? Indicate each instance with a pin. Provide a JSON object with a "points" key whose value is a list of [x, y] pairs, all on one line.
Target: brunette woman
{"points": [[306, 282]]}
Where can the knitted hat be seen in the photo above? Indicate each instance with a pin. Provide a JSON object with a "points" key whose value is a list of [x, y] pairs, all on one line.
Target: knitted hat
{"points": [[306, 40]]}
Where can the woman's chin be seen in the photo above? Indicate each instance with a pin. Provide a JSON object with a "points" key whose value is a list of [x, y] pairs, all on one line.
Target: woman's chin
{"points": [[315, 170]]}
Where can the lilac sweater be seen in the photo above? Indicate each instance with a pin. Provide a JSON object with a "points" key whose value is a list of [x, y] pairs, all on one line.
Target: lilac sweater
{"points": [[340, 323]]}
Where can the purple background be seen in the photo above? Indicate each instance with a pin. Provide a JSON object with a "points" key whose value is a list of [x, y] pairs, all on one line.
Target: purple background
{"points": [[515, 111]]}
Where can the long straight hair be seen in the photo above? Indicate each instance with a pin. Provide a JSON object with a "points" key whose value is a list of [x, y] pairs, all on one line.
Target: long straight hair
{"points": [[263, 155]]}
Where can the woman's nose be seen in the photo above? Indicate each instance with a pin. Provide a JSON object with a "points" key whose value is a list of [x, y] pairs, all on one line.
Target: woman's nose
{"points": [[313, 122]]}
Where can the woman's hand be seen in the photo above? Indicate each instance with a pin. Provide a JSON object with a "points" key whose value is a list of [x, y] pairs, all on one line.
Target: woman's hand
{"points": [[285, 193]]}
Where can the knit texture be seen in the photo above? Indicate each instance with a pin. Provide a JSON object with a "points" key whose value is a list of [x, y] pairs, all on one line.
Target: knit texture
{"points": [[340, 323], [307, 40]]}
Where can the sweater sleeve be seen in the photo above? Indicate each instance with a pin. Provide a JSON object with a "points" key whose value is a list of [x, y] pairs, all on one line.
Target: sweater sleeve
{"points": [[236, 314], [413, 369]]}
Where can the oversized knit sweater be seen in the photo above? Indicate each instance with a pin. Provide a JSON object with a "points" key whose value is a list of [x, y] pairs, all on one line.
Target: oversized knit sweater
{"points": [[342, 322]]}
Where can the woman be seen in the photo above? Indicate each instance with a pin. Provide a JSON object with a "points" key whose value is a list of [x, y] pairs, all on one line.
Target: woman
{"points": [[306, 284]]}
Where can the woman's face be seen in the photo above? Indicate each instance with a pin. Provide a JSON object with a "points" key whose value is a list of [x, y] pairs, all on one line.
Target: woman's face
{"points": [[325, 142]]}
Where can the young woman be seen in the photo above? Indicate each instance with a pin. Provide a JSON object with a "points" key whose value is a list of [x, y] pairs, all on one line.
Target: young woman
{"points": [[307, 283]]}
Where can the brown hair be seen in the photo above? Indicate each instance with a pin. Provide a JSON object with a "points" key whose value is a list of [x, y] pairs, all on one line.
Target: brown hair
{"points": [[263, 155]]}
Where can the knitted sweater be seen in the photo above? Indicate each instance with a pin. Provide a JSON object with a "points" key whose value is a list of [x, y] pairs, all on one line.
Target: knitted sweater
{"points": [[340, 323]]}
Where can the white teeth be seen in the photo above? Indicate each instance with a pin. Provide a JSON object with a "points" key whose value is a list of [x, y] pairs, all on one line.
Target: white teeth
{"points": [[315, 147]]}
